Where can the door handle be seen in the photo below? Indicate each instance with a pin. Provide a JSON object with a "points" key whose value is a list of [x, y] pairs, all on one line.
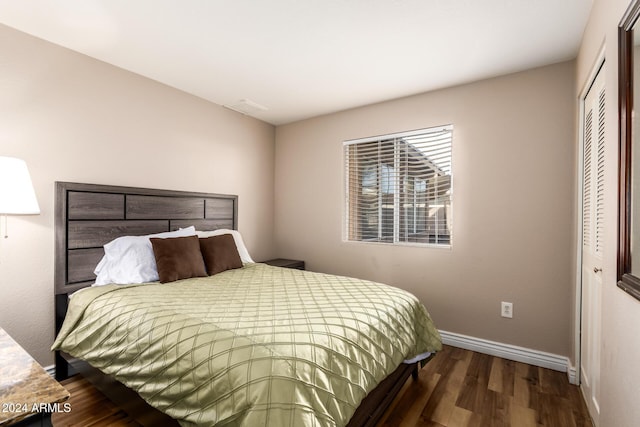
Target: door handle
{"points": [[596, 270]]}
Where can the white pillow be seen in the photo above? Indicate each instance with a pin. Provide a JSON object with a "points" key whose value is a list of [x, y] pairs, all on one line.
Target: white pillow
{"points": [[237, 237], [130, 259]]}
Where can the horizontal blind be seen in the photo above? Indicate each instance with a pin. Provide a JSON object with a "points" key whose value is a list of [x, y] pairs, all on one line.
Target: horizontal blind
{"points": [[399, 187]]}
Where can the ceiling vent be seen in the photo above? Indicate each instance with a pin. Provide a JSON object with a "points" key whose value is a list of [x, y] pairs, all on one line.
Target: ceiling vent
{"points": [[246, 106]]}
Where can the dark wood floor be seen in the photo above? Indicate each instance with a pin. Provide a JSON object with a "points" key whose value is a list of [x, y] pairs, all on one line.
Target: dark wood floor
{"points": [[457, 388], [90, 408], [464, 388]]}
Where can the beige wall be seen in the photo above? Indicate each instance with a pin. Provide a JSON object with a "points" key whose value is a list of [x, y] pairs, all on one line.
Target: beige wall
{"points": [[620, 347], [72, 118], [513, 205]]}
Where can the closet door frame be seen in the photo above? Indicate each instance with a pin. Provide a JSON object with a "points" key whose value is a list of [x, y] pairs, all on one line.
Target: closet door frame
{"points": [[574, 372]]}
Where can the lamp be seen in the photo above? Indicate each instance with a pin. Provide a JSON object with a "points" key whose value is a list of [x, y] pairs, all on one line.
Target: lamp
{"points": [[16, 190]]}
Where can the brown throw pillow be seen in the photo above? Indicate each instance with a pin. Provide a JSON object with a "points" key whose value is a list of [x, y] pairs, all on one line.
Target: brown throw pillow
{"points": [[178, 258], [220, 253]]}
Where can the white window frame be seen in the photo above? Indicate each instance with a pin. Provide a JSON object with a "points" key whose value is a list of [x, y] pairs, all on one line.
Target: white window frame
{"points": [[348, 212]]}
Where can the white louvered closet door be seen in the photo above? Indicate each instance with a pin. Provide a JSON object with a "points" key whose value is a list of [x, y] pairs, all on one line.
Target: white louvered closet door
{"points": [[593, 128]]}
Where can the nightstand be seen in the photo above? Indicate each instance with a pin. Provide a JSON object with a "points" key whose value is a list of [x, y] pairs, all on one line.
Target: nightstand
{"points": [[25, 387], [286, 263]]}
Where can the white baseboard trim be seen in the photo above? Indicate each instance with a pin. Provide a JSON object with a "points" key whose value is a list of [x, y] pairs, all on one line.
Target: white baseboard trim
{"points": [[510, 352], [572, 374]]}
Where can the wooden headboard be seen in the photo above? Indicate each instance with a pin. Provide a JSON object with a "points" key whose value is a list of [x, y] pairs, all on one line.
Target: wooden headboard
{"points": [[88, 215]]}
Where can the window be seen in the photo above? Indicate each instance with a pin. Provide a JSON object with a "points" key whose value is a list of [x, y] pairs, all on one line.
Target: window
{"points": [[398, 188]]}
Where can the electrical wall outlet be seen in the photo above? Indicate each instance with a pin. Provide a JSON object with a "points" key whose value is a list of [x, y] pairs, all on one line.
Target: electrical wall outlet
{"points": [[507, 310]]}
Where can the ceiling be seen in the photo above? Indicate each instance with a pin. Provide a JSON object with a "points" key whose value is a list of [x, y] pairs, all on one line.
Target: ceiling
{"points": [[304, 58]]}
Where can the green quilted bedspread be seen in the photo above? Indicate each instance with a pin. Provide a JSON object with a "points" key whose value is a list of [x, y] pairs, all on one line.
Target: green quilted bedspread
{"points": [[256, 346]]}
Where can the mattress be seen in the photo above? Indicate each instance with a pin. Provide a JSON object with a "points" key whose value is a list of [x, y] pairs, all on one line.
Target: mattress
{"points": [[259, 345]]}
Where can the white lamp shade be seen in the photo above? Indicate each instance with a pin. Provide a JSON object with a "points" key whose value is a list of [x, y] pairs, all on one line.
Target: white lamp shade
{"points": [[16, 190]]}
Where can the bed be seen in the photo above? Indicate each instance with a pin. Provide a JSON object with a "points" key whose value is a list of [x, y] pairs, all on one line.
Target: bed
{"points": [[249, 345]]}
